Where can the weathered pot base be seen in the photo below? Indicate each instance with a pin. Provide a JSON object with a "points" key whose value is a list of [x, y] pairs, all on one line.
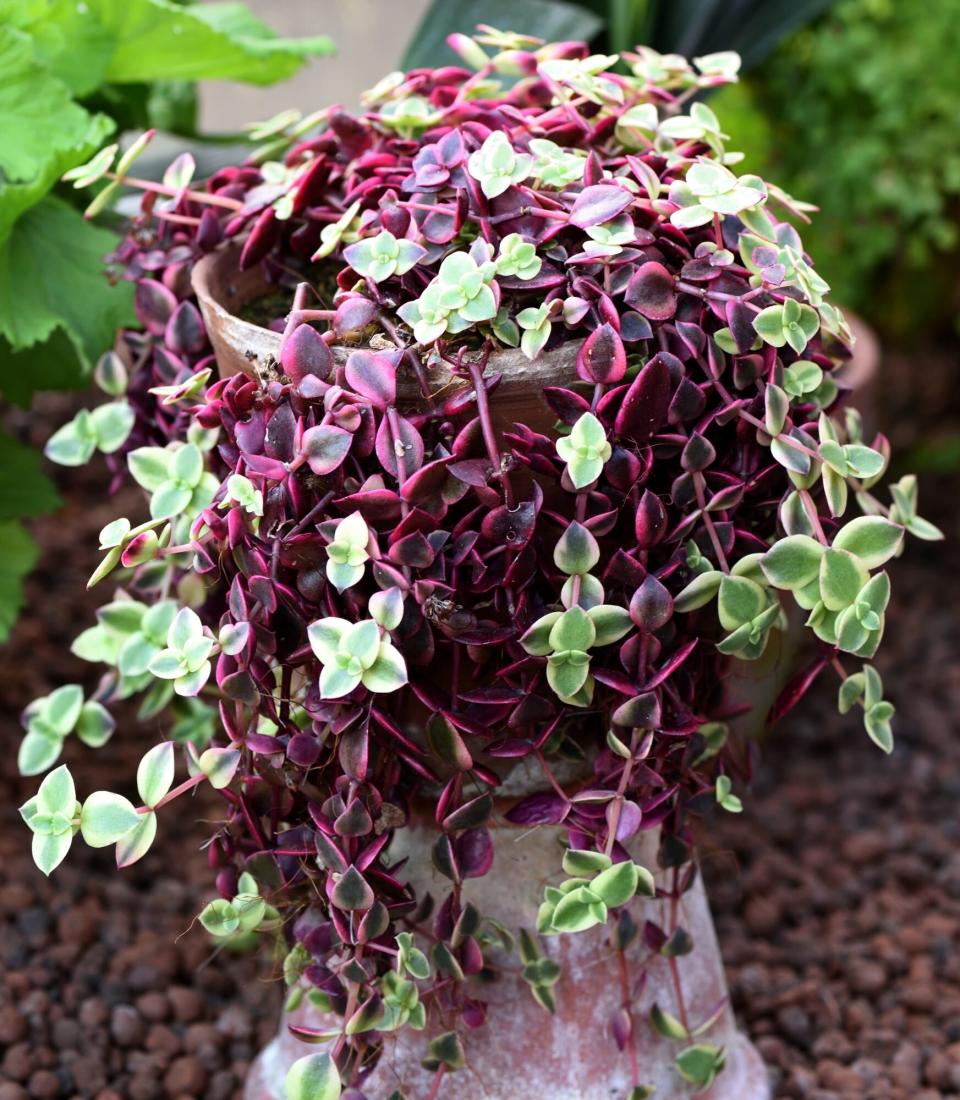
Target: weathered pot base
{"points": [[522, 1051], [743, 1078]]}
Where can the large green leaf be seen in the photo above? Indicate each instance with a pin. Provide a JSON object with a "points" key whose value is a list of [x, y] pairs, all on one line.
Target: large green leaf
{"points": [[689, 27], [15, 198], [66, 39], [24, 489], [552, 20], [51, 275], [17, 555], [751, 27], [38, 116], [160, 40], [49, 365]]}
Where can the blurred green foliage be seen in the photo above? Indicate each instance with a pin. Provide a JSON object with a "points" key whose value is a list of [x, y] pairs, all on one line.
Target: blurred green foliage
{"points": [[73, 74], [860, 113]]}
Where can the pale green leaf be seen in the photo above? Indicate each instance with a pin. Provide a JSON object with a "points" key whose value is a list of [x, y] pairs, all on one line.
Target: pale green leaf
{"points": [[106, 817]]}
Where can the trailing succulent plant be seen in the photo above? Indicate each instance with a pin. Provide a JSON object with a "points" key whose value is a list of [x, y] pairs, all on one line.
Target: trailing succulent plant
{"points": [[362, 595]]}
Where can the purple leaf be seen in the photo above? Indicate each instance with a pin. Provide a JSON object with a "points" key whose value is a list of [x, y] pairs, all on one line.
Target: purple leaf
{"points": [[303, 353], [601, 357], [154, 304], [409, 447], [325, 447], [539, 809], [644, 407], [373, 376], [652, 292], [599, 203]]}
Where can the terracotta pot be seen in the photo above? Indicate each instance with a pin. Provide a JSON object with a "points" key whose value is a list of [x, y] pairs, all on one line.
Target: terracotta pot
{"points": [[521, 1051], [222, 291]]}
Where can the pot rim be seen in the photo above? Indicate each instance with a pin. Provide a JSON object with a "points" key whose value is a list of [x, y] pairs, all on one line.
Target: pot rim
{"points": [[241, 345]]}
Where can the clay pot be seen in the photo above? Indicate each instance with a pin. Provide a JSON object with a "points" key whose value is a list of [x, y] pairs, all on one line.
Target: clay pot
{"points": [[522, 1051], [222, 291]]}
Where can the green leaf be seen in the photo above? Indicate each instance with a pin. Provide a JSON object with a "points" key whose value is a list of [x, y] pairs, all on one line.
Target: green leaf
{"points": [[123, 616], [106, 818], [877, 723], [149, 467], [446, 1050], [851, 692], [219, 766], [842, 576], [725, 797], [584, 863], [226, 42], [186, 466], [666, 1025], [790, 457], [50, 850], [38, 117], [52, 268], [741, 600], [792, 562], [873, 539], [835, 490], [610, 622], [777, 406], [314, 1077], [155, 773], [699, 591], [24, 489], [579, 910], [863, 461], [536, 640], [74, 443], [95, 725], [577, 550], [61, 708], [416, 963], [769, 325], [388, 671], [219, 918], [699, 1065], [57, 793], [112, 424], [802, 378], [567, 672], [617, 885], [251, 910], [136, 843], [574, 630], [17, 555], [38, 750], [185, 629]]}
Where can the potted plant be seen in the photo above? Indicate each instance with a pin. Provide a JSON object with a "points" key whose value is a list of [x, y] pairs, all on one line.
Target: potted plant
{"points": [[487, 436]]}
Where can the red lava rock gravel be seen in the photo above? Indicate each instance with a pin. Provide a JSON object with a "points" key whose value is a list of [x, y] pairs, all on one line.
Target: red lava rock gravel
{"points": [[836, 892]]}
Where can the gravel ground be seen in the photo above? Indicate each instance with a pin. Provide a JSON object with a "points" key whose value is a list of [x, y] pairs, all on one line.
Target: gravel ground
{"points": [[836, 893]]}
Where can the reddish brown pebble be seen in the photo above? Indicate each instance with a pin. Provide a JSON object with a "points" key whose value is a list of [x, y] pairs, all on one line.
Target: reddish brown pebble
{"points": [[185, 1075], [13, 1027], [17, 1062], [44, 1085], [144, 1088], [867, 976], [153, 1007], [126, 1027], [163, 1040], [187, 1004]]}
